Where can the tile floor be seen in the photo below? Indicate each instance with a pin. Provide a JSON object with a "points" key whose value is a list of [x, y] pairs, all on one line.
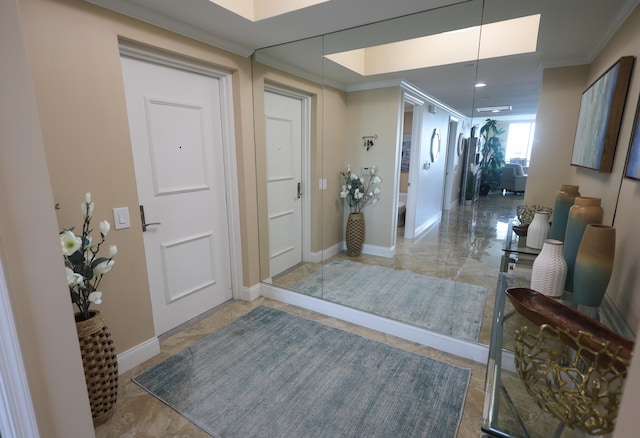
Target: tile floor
{"points": [[465, 245]]}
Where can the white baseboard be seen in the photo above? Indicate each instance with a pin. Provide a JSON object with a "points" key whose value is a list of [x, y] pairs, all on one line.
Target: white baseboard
{"points": [[320, 256], [459, 347], [250, 293], [432, 220], [380, 251], [137, 355]]}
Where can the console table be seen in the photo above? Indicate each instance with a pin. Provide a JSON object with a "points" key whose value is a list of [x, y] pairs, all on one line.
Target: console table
{"points": [[503, 416]]}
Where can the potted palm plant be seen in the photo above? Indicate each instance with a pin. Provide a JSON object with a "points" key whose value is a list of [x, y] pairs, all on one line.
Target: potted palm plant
{"points": [[492, 156]]}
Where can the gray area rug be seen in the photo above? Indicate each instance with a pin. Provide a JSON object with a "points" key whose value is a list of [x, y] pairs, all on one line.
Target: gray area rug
{"points": [[444, 306], [273, 374]]}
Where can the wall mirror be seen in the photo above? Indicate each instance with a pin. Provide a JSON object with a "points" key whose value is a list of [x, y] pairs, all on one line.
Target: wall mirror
{"points": [[356, 97], [360, 97]]}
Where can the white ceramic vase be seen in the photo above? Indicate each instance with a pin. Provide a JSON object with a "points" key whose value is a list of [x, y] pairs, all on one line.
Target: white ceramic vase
{"points": [[538, 230], [549, 271]]}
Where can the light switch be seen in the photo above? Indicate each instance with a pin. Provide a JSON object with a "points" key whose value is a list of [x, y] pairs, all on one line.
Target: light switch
{"points": [[323, 184], [121, 218]]}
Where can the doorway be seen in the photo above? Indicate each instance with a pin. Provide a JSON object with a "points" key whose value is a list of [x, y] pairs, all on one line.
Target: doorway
{"points": [[288, 187], [450, 168], [181, 141]]}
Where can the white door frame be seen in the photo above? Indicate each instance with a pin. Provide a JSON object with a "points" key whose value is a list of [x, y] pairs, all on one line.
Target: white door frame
{"points": [[305, 166], [132, 50], [17, 417], [414, 162], [452, 141]]}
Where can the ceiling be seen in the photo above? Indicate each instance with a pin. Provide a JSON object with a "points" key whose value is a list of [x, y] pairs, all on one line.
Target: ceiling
{"points": [[571, 32]]}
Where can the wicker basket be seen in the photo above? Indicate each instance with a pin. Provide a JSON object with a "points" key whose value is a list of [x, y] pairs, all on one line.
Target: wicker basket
{"points": [[100, 366], [354, 235]]}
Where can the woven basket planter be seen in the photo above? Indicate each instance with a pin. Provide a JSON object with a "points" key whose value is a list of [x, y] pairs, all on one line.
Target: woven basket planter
{"points": [[100, 366], [354, 235]]}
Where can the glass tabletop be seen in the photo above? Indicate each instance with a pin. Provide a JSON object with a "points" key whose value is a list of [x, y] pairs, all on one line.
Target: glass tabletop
{"points": [[515, 249]]}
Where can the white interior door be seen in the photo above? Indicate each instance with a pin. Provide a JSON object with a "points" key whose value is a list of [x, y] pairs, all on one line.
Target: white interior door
{"points": [[284, 142], [175, 119]]}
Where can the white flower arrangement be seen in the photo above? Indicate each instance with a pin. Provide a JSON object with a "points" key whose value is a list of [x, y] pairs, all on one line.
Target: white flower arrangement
{"points": [[360, 192], [84, 268]]}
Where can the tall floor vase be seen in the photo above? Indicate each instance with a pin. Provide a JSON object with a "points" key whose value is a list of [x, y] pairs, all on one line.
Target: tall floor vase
{"points": [[549, 270], [584, 211], [100, 365], [594, 263], [355, 234], [564, 201]]}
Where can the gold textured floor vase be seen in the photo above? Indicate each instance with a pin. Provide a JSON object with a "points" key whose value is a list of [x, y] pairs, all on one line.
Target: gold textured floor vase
{"points": [[355, 233], [100, 364]]}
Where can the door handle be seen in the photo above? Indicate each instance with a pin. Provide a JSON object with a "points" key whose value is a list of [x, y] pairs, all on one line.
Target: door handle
{"points": [[144, 223], [299, 191]]}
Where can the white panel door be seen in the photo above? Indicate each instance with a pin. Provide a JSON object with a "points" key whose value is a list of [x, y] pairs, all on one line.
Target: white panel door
{"points": [[176, 135], [283, 126]]}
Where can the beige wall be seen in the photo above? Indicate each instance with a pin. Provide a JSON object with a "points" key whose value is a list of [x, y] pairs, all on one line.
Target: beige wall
{"points": [[375, 112], [30, 250], [553, 145], [334, 161], [73, 50]]}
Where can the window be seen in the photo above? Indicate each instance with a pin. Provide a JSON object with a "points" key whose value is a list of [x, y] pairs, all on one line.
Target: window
{"points": [[519, 141]]}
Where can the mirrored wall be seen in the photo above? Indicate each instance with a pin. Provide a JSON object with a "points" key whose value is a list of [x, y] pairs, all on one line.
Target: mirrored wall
{"points": [[394, 100]]}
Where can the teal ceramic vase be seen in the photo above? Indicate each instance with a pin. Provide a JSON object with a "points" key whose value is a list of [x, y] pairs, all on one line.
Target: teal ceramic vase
{"points": [[584, 211], [594, 263], [564, 201]]}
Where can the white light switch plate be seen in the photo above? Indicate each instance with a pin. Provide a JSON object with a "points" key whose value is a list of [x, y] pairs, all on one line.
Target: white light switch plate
{"points": [[121, 218]]}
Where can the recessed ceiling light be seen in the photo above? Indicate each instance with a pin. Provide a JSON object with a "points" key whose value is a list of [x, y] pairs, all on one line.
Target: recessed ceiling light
{"points": [[480, 85], [460, 46], [493, 109]]}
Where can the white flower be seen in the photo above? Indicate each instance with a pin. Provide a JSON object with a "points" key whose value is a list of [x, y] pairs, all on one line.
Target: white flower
{"points": [[70, 243], [95, 297], [105, 226], [87, 208], [78, 279], [103, 267], [354, 176], [376, 180], [343, 194], [113, 250], [88, 256], [70, 279], [376, 190], [374, 200]]}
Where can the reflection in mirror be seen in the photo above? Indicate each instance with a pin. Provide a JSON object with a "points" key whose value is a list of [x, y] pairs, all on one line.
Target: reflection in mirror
{"points": [[381, 123], [339, 100]]}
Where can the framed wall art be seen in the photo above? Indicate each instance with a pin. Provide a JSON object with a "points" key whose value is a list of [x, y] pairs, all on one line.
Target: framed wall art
{"points": [[600, 117], [633, 158]]}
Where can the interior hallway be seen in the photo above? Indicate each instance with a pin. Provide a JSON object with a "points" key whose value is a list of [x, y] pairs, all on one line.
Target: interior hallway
{"points": [[466, 245]]}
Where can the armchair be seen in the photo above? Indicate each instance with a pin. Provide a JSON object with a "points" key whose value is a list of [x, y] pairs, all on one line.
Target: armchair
{"points": [[513, 178]]}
